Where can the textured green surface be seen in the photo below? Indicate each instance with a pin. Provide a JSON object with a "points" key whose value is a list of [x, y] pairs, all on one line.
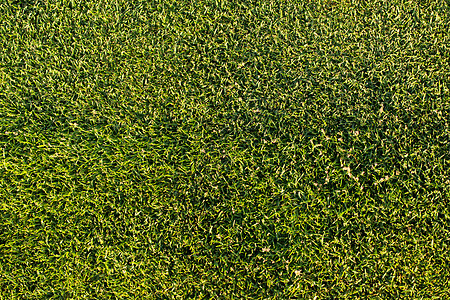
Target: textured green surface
{"points": [[229, 150]]}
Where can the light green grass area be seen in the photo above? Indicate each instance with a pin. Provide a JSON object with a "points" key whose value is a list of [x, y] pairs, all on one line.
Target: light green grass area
{"points": [[224, 149]]}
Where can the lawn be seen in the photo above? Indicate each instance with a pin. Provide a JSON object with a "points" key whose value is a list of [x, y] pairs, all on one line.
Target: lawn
{"points": [[208, 149]]}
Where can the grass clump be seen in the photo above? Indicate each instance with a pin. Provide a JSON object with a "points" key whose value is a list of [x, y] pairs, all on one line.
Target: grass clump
{"points": [[224, 149]]}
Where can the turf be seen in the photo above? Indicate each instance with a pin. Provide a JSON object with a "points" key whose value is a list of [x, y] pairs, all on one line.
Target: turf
{"points": [[224, 149]]}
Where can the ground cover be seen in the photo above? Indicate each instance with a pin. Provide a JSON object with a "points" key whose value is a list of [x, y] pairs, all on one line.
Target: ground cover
{"points": [[224, 149]]}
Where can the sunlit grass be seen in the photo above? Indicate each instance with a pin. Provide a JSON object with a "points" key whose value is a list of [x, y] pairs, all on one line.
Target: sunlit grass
{"points": [[224, 149]]}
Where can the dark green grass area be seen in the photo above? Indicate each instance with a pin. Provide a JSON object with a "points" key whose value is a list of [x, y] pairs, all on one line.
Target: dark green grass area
{"points": [[224, 149]]}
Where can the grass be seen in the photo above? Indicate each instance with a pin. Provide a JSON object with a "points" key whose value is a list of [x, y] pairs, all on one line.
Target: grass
{"points": [[224, 149]]}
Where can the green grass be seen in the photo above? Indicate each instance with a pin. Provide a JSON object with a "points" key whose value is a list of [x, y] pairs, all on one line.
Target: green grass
{"points": [[224, 149]]}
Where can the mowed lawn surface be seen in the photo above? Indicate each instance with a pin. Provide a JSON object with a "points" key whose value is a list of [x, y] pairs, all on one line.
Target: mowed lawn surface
{"points": [[224, 149]]}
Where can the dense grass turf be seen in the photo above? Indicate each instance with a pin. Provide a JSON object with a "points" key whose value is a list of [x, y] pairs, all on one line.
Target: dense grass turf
{"points": [[229, 150]]}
